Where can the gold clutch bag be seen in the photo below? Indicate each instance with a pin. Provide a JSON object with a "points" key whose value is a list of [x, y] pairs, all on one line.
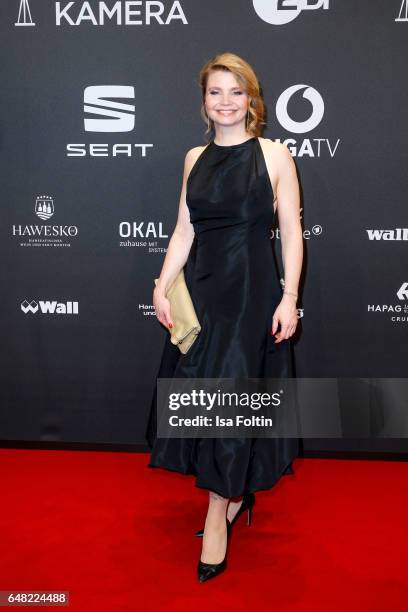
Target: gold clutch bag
{"points": [[186, 326]]}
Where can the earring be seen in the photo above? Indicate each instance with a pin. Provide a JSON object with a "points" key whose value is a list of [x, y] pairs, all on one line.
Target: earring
{"points": [[247, 120]]}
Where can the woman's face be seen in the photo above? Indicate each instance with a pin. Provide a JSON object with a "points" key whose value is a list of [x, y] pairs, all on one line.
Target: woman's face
{"points": [[226, 101]]}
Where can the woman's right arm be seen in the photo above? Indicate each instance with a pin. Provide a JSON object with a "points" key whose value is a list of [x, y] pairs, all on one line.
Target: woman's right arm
{"points": [[178, 248]]}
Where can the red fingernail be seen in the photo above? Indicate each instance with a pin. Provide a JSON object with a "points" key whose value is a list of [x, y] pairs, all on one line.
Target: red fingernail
{"points": [[170, 324]]}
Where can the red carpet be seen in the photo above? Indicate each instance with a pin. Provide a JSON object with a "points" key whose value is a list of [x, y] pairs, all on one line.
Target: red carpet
{"points": [[119, 536]]}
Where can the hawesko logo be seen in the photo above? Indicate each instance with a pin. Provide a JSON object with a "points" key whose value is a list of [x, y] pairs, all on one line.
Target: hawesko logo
{"points": [[95, 102], [49, 307], [280, 12], [317, 110], [44, 207], [399, 233], [46, 235]]}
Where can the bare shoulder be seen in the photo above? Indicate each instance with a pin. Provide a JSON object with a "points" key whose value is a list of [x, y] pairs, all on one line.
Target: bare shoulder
{"points": [[191, 157], [195, 151], [276, 151]]}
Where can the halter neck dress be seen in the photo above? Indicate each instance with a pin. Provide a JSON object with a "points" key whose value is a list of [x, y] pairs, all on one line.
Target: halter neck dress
{"points": [[234, 284]]}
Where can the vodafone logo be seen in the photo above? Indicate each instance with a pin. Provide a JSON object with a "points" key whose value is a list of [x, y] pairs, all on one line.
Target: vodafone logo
{"points": [[316, 106], [280, 12]]}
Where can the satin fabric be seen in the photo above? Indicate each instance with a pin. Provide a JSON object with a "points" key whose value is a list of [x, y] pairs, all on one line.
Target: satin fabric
{"points": [[234, 284]]}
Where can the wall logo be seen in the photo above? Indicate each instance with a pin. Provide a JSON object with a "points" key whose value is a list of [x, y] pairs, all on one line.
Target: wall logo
{"points": [[291, 98], [398, 312], [403, 13], [24, 15], [142, 235], [397, 234], [95, 102], [49, 307], [121, 13], [116, 117], [44, 235], [44, 207], [280, 12]]}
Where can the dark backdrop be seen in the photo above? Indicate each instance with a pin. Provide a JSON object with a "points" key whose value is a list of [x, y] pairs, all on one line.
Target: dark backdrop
{"points": [[86, 228]]}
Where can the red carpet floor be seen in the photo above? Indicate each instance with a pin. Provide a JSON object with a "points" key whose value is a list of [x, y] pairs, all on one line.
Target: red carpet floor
{"points": [[119, 536]]}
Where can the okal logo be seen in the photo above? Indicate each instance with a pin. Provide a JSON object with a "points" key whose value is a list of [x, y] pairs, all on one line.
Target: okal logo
{"points": [[49, 307], [142, 235], [44, 207], [280, 12]]}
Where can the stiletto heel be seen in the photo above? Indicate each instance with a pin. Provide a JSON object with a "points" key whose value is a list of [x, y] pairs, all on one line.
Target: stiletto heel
{"points": [[247, 504], [249, 516], [205, 571]]}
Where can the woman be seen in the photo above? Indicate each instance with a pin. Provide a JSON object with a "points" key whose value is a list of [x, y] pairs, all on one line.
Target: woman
{"points": [[231, 190]]}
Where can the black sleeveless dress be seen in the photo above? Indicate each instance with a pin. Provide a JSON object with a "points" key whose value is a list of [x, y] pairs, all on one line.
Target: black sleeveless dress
{"points": [[233, 280]]}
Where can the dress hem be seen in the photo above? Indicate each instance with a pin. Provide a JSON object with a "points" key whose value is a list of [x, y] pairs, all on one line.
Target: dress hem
{"points": [[201, 486]]}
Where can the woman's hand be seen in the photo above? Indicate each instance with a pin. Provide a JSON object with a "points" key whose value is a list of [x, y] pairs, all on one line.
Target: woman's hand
{"points": [[286, 315], [162, 307]]}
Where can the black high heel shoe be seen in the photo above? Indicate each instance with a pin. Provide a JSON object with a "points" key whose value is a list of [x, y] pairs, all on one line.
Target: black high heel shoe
{"points": [[205, 571], [247, 504]]}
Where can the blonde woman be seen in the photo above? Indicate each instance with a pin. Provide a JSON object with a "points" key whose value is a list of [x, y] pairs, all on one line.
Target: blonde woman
{"points": [[232, 189]]}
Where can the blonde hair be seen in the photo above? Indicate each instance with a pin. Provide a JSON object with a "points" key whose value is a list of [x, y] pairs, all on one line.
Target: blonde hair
{"points": [[247, 78]]}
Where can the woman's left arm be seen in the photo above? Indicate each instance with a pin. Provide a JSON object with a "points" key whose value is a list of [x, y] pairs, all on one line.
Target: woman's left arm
{"points": [[288, 209]]}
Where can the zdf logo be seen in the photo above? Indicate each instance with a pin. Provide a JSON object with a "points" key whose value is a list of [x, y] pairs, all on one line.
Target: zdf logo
{"points": [[279, 12], [96, 103]]}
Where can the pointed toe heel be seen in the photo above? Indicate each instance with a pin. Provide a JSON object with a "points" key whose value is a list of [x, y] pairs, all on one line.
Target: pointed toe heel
{"points": [[206, 571]]}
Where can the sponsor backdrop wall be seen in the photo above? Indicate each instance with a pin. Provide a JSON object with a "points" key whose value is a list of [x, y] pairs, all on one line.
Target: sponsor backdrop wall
{"points": [[100, 105]]}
